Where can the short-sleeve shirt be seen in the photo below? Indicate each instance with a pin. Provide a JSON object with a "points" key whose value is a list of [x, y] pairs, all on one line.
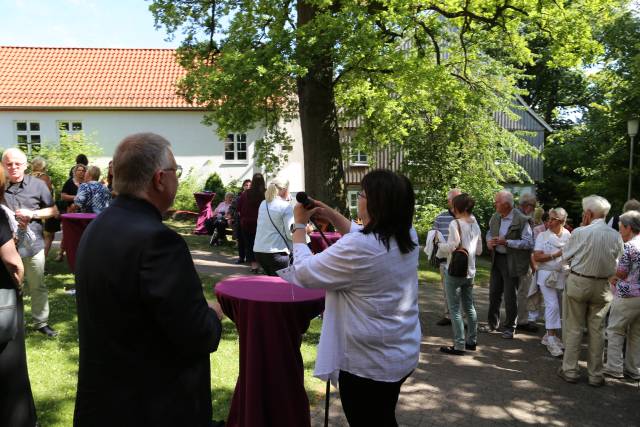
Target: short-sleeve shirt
{"points": [[92, 197], [5, 235], [629, 263], [70, 187], [33, 194]]}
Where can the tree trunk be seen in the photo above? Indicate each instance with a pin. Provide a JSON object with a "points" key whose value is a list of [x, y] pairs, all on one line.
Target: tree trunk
{"points": [[323, 169]]}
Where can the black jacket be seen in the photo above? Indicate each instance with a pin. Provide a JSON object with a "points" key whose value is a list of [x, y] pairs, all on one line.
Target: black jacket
{"points": [[145, 328]]}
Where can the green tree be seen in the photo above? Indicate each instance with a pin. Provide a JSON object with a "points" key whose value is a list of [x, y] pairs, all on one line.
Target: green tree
{"points": [[424, 78]]}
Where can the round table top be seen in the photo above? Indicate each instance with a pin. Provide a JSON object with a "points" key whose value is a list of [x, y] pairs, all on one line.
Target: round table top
{"points": [[331, 235], [79, 215], [266, 289]]}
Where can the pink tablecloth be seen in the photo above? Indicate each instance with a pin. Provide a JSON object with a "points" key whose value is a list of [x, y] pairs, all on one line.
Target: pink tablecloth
{"points": [[317, 242], [73, 225], [203, 200], [270, 315]]}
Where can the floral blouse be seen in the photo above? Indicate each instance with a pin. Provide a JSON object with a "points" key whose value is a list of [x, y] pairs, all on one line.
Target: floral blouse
{"points": [[629, 263]]}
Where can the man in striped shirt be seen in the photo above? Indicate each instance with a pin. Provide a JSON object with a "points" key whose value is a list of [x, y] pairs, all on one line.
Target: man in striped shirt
{"points": [[592, 251], [441, 223]]}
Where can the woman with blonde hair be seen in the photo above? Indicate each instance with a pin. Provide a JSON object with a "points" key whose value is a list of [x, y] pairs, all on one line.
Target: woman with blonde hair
{"points": [[273, 242]]}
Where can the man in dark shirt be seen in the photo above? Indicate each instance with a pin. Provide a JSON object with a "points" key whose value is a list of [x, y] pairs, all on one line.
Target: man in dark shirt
{"points": [[145, 329], [30, 199]]}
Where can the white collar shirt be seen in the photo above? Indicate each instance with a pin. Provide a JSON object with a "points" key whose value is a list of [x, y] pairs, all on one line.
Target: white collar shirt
{"points": [[593, 250], [274, 237]]}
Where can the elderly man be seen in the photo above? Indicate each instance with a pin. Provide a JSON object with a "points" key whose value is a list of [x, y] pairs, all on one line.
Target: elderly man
{"points": [[526, 319], [510, 241], [592, 252], [441, 223], [145, 329], [92, 196], [30, 199]]}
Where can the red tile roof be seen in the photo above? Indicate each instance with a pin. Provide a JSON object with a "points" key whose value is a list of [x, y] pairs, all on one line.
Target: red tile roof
{"points": [[33, 77]]}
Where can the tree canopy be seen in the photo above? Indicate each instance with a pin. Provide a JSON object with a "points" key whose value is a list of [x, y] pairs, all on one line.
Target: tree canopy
{"points": [[422, 77]]}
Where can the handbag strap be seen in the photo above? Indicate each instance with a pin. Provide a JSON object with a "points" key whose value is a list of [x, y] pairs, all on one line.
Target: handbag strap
{"points": [[274, 226], [460, 233]]}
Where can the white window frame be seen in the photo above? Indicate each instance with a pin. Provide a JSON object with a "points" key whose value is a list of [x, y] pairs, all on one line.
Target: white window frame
{"points": [[29, 134], [359, 158], [352, 202], [240, 147], [69, 124]]}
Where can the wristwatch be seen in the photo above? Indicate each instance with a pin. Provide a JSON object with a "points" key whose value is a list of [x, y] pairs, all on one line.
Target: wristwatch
{"points": [[298, 226]]}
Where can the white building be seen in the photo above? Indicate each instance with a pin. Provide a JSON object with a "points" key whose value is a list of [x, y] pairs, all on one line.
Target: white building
{"points": [[111, 93]]}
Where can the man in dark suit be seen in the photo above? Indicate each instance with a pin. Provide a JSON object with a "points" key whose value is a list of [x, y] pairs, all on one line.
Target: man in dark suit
{"points": [[145, 328]]}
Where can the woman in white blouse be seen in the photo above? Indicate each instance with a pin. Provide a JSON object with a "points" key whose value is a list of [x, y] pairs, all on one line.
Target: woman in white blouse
{"points": [[463, 231], [273, 232], [370, 339], [551, 274]]}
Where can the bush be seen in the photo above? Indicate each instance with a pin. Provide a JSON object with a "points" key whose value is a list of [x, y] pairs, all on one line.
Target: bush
{"points": [[184, 200], [214, 183], [425, 214]]}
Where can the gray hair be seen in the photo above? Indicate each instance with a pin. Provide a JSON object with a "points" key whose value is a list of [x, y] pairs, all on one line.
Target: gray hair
{"points": [[506, 195], [451, 194], [560, 213], [228, 194], [598, 205], [528, 198], [276, 185], [136, 160], [94, 172], [38, 164], [631, 205], [631, 219], [16, 151]]}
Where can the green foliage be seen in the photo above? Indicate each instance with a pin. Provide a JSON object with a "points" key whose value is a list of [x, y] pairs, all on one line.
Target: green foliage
{"points": [[61, 157], [423, 222], [214, 183], [184, 200], [272, 150]]}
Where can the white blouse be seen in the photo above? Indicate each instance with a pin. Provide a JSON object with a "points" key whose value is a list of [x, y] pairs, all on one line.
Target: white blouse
{"points": [[471, 241], [270, 239], [549, 242], [370, 325]]}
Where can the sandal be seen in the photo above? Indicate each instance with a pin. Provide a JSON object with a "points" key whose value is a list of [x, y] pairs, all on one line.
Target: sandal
{"points": [[451, 350]]}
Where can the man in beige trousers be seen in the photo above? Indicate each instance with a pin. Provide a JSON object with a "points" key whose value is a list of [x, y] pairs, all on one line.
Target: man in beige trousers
{"points": [[592, 252]]}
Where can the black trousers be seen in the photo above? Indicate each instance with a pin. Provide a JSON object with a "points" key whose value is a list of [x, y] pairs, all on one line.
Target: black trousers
{"points": [[240, 237], [501, 283], [367, 402], [249, 238], [272, 262]]}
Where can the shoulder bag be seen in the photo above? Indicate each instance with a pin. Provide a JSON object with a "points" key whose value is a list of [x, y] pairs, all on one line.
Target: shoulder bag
{"points": [[266, 204], [459, 264], [8, 315]]}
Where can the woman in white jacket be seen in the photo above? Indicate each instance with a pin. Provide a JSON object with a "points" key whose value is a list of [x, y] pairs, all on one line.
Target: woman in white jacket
{"points": [[464, 231]]}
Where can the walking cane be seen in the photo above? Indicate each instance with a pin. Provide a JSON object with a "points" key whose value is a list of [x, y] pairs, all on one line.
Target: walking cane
{"points": [[326, 404]]}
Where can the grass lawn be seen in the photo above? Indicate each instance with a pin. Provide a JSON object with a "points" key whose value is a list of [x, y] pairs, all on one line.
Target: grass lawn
{"points": [[53, 363]]}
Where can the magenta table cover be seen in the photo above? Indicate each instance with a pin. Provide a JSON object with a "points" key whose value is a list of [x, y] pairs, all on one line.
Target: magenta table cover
{"points": [[317, 242], [73, 225], [205, 210], [270, 315]]}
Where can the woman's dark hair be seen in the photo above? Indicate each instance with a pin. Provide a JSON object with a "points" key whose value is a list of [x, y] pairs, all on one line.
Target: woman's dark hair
{"points": [[82, 159], [463, 203], [256, 192], [545, 216], [390, 205]]}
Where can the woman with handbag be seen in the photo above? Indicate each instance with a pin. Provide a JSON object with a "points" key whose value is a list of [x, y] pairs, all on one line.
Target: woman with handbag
{"points": [[550, 276], [462, 246], [273, 242], [16, 401]]}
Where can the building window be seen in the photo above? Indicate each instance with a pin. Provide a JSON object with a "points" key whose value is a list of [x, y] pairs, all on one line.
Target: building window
{"points": [[69, 127], [352, 202], [28, 137], [235, 147], [359, 157]]}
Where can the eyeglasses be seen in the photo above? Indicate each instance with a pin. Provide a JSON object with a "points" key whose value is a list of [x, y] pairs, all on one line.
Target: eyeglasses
{"points": [[362, 195], [554, 219], [177, 170]]}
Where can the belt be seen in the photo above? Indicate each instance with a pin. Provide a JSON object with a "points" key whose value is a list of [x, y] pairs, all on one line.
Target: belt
{"points": [[588, 277]]}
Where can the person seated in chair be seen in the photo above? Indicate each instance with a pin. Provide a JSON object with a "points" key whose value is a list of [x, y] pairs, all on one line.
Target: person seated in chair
{"points": [[221, 218]]}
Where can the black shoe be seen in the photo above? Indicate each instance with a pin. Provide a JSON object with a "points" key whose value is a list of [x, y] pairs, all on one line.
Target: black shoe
{"points": [[443, 322], [46, 330], [240, 261], [528, 327], [215, 423], [471, 347], [451, 350]]}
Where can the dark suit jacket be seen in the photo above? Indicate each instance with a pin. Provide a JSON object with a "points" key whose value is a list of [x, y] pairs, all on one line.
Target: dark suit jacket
{"points": [[145, 329]]}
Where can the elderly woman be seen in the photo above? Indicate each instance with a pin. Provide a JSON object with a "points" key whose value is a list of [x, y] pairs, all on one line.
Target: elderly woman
{"points": [[551, 275], [463, 232], [273, 242], [370, 339], [51, 225], [92, 196], [220, 219], [624, 317]]}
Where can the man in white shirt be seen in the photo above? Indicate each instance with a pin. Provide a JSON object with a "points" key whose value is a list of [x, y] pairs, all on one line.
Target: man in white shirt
{"points": [[592, 251]]}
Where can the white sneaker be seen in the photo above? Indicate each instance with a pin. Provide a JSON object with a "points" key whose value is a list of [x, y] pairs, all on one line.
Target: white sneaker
{"points": [[554, 347], [545, 340], [559, 342]]}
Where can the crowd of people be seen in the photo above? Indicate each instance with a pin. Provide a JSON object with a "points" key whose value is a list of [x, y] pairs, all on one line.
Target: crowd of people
{"points": [[146, 330]]}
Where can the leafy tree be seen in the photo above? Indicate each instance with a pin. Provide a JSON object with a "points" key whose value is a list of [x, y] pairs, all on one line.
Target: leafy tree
{"points": [[422, 77]]}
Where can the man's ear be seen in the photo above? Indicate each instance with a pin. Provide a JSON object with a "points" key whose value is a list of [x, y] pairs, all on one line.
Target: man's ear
{"points": [[158, 180]]}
